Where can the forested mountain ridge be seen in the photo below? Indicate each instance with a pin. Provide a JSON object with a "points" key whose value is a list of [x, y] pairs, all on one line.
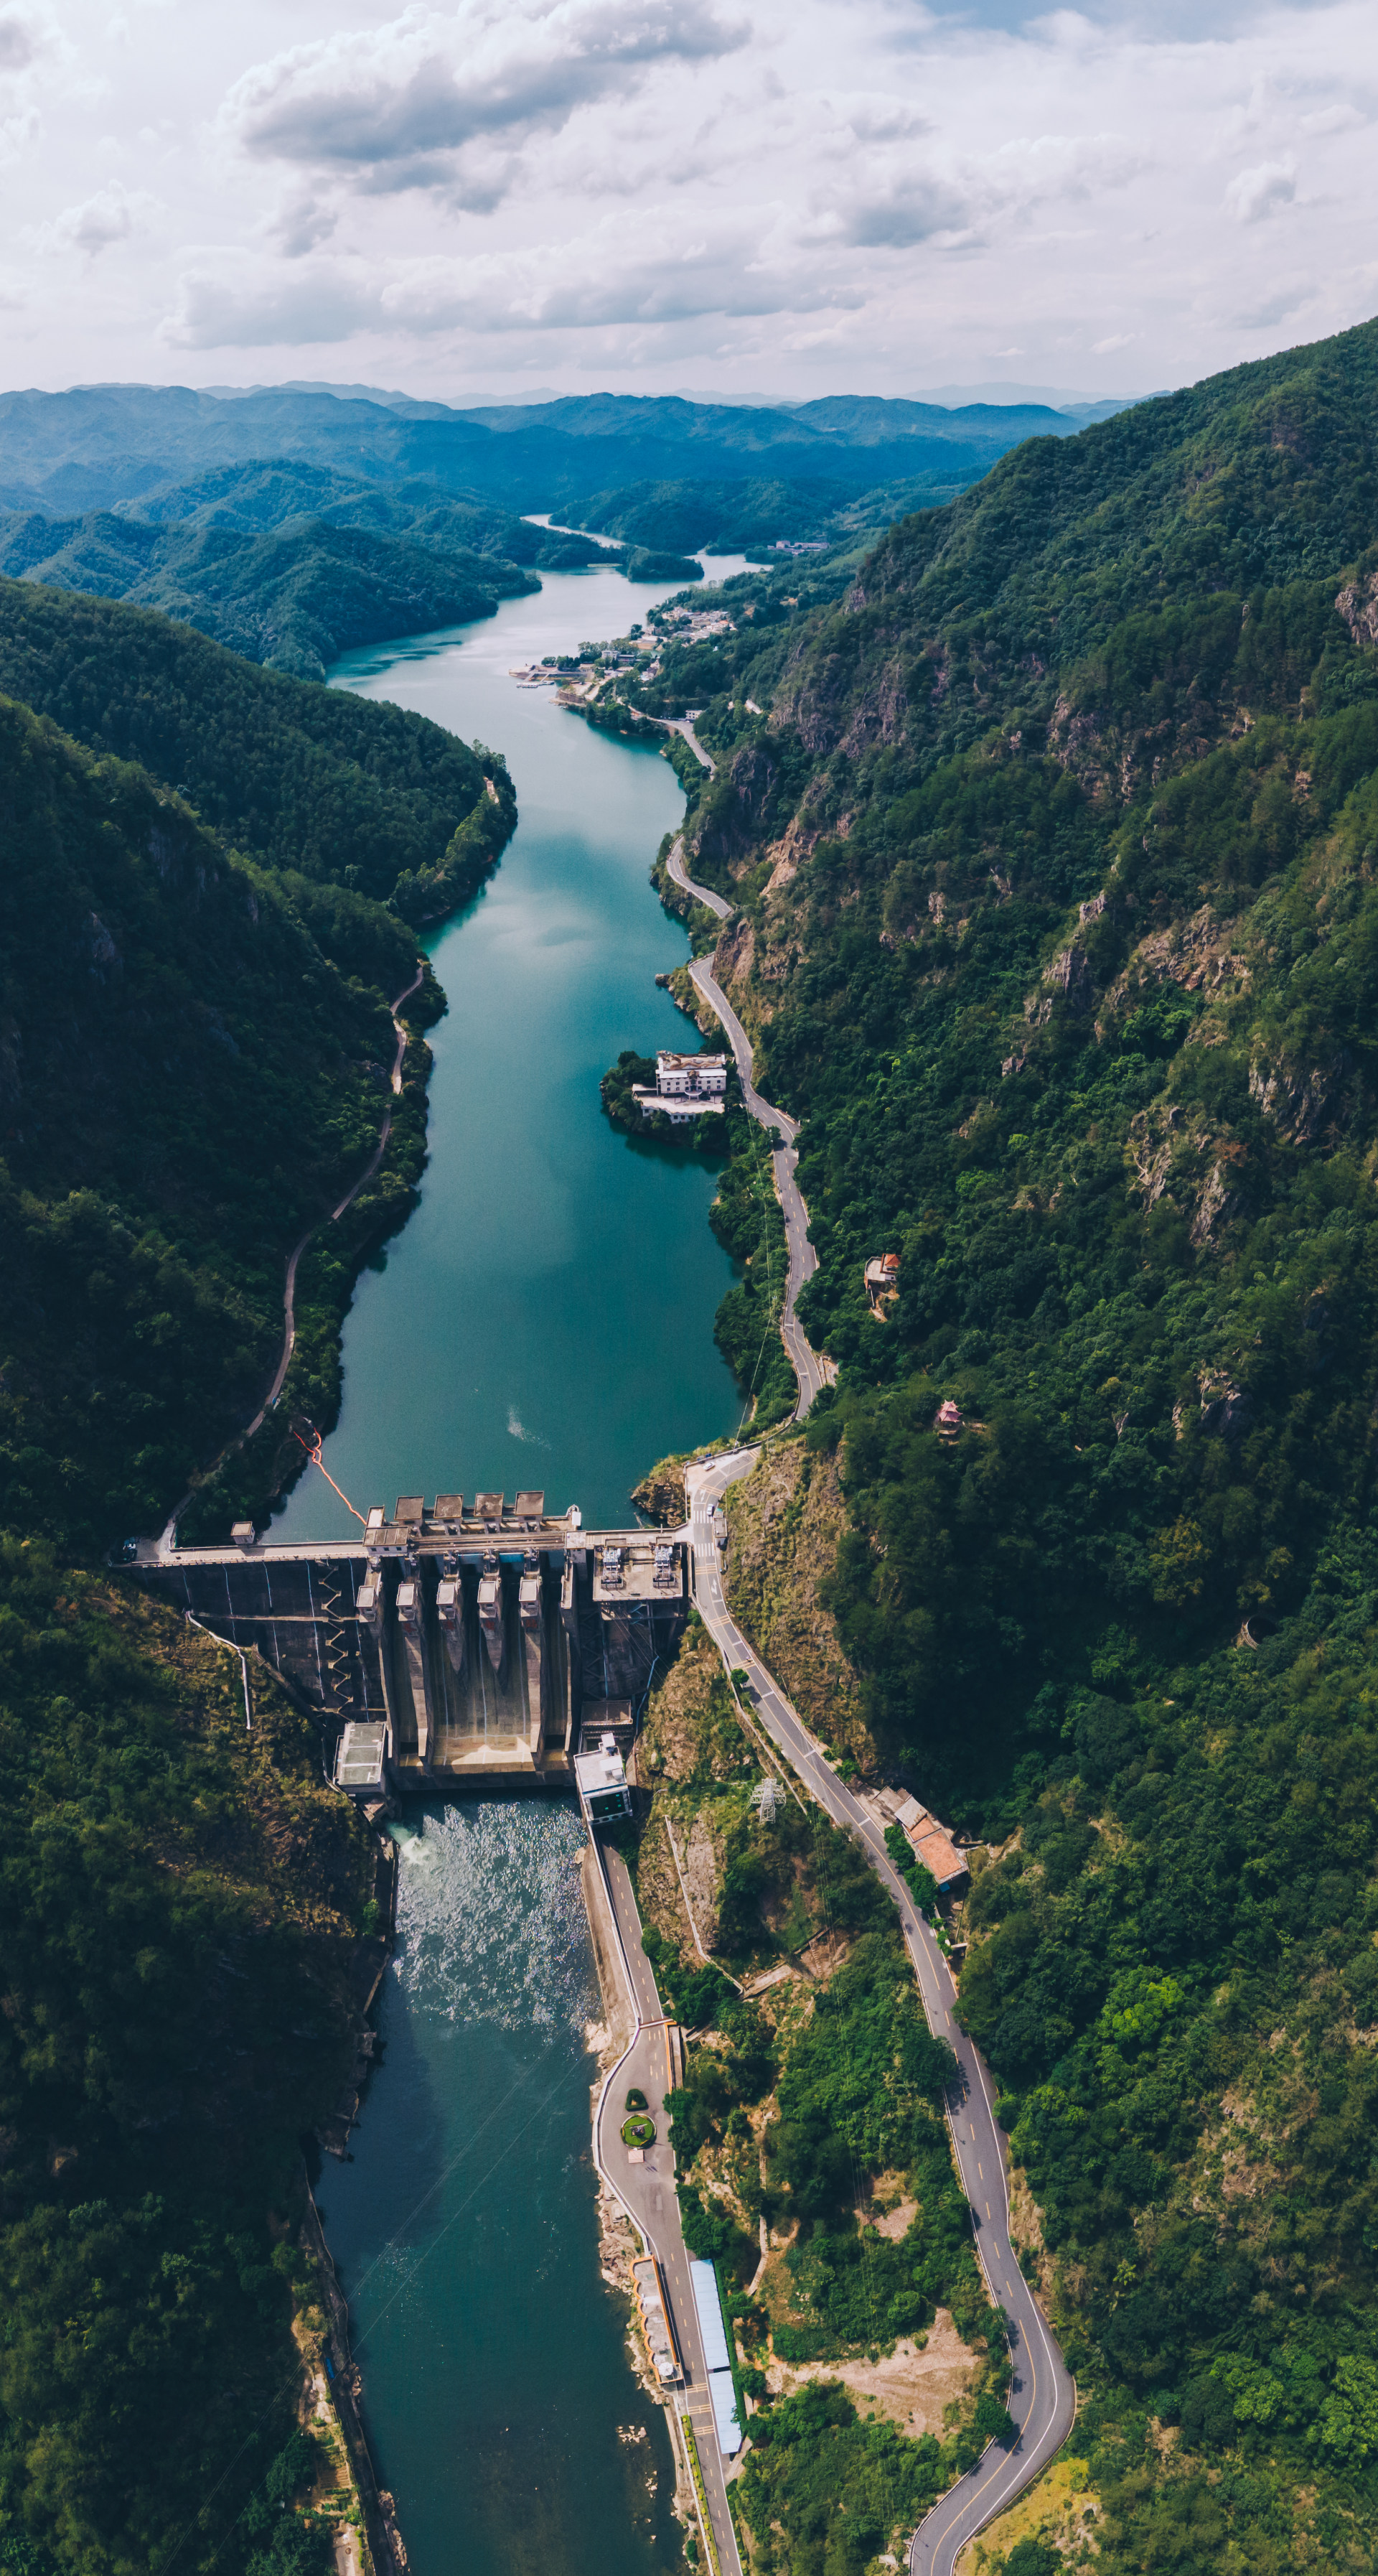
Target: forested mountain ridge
{"points": [[269, 491], [1058, 925], [293, 564], [294, 597], [195, 1060], [723, 516], [1256, 479], [195, 1043], [186, 1079], [181, 1903], [345, 791], [799, 470], [93, 446]]}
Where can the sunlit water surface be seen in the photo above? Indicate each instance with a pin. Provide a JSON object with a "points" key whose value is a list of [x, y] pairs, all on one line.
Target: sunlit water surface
{"points": [[546, 1316]]}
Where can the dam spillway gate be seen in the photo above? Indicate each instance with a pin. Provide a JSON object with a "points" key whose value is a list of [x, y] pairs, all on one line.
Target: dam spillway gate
{"points": [[480, 1644]]}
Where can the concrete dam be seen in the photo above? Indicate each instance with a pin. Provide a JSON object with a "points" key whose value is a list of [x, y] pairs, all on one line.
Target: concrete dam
{"points": [[451, 1642]]}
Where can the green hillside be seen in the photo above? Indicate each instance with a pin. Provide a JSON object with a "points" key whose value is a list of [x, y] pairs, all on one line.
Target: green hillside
{"points": [[342, 789], [195, 1050], [293, 564], [187, 1081], [269, 492], [727, 517], [181, 1905], [294, 597], [211, 876], [99, 447], [1055, 857]]}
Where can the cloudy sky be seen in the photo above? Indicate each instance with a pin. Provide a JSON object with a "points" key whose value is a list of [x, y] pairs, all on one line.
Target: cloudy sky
{"points": [[794, 196]]}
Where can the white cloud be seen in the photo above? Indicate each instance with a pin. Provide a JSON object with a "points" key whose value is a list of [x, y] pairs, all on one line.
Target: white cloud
{"points": [[904, 199], [398, 106], [310, 307], [110, 216], [1258, 193], [912, 209], [1344, 118], [610, 278], [1275, 308], [301, 224], [30, 38], [819, 194], [32, 50]]}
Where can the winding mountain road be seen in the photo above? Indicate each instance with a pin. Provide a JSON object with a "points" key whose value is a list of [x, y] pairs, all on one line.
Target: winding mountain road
{"points": [[1043, 2398], [684, 725], [812, 1370], [703, 894]]}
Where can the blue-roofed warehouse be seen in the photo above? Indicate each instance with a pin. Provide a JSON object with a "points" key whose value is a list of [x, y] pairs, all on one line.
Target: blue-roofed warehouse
{"points": [[712, 2327]]}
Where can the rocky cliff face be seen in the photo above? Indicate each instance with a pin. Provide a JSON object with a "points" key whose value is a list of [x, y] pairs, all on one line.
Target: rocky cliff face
{"points": [[786, 1521]]}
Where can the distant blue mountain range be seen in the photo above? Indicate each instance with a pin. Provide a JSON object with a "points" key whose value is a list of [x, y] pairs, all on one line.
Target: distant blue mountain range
{"points": [[293, 521]]}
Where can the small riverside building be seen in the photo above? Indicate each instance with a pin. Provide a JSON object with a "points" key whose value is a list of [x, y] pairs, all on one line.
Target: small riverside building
{"points": [[361, 1763], [601, 1780], [685, 1086]]}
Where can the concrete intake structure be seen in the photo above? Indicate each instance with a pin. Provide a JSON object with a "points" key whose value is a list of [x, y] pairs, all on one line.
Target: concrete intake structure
{"points": [[448, 1645]]}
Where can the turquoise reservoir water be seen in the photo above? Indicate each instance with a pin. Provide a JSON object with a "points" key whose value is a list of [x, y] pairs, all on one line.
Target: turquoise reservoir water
{"points": [[546, 1317]]}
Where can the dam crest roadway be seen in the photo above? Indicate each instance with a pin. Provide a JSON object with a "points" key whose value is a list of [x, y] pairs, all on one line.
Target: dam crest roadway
{"points": [[452, 1643]]}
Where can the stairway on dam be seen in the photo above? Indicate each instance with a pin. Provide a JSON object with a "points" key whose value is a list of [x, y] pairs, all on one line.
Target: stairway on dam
{"points": [[449, 1643]]}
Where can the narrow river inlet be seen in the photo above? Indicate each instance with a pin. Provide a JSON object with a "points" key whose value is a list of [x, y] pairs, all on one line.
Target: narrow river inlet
{"points": [[544, 1319]]}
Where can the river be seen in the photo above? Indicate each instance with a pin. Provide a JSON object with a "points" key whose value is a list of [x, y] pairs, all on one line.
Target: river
{"points": [[498, 2393], [545, 1318]]}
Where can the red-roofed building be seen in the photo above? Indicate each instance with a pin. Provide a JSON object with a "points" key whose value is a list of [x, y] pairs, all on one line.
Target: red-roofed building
{"points": [[882, 1282], [931, 1844]]}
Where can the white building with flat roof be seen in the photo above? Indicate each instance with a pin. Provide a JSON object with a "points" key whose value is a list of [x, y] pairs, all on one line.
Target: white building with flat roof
{"points": [[601, 1780], [361, 1761], [685, 1086]]}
